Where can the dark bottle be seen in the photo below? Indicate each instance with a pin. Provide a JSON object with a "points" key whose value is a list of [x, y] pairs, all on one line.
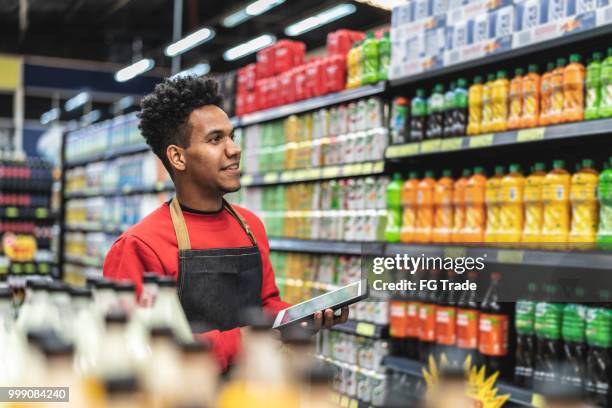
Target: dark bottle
{"points": [[575, 347], [399, 324], [446, 319], [449, 112], [524, 320], [548, 317], [461, 108], [412, 321], [427, 317], [418, 117], [468, 313], [494, 331], [435, 110], [599, 356], [399, 118]]}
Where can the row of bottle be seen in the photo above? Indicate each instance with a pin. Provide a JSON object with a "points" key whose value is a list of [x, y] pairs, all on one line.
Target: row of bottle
{"points": [[24, 173], [43, 232], [368, 61], [540, 209], [24, 200], [569, 344]]}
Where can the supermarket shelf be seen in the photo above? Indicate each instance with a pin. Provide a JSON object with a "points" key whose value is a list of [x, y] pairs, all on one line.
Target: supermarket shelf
{"points": [[107, 155], [96, 227], [39, 213], [325, 247], [38, 187], [306, 283], [84, 261], [563, 131], [519, 396], [312, 103], [125, 190], [503, 56], [321, 173], [24, 268], [365, 329]]}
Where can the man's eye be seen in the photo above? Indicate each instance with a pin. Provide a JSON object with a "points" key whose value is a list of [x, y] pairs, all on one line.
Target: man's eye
{"points": [[216, 139]]}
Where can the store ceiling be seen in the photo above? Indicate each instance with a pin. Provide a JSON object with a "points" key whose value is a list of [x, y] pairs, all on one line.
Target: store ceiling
{"points": [[106, 30]]}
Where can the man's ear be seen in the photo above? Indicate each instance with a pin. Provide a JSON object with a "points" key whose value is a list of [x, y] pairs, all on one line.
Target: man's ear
{"points": [[176, 157]]}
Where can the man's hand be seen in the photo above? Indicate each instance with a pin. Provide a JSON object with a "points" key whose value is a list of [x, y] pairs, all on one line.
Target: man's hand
{"points": [[326, 319]]}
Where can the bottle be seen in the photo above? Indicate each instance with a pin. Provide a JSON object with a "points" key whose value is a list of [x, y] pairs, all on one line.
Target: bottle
{"points": [[605, 108], [604, 194], [384, 56], [352, 69], [492, 200], [370, 59], [446, 319], [198, 371], [555, 195], [574, 343], [399, 117], [459, 206], [435, 110], [443, 208], [163, 373], [167, 310], [427, 320], [487, 105], [546, 94], [593, 88], [461, 108], [475, 106], [556, 93], [467, 323], [475, 215], [599, 339], [531, 98], [534, 205], [525, 337], [516, 99], [585, 211], [573, 90], [409, 207], [511, 216], [449, 111], [548, 333], [494, 331], [418, 118], [394, 209], [499, 97], [359, 57], [425, 208]]}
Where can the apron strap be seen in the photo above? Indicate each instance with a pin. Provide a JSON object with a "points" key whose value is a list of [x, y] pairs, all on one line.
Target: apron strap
{"points": [[180, 228]]}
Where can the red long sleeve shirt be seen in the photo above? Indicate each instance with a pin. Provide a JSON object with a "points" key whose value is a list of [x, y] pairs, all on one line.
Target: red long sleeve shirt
{"points": [[151, 246]]}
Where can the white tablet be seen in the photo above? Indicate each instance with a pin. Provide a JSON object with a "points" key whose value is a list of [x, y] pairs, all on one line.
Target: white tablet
{"points": [[344, 296]]}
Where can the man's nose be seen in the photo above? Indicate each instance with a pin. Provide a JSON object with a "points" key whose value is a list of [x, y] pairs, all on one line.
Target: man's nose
{"points": [[232, 148]]}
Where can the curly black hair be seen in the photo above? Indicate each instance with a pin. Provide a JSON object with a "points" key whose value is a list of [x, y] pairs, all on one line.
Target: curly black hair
{"points": [[164, 114]]}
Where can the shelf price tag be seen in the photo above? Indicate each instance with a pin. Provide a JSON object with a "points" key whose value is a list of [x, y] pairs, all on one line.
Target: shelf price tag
{"points": [[454, 252], [43, 268], [349, 170], [365, 329], [41, 212], [510, 256], [29, 268], [454, 143], [537, 400], [344, 401], [378, 167], [17, 268], [286, 176], [366, 168], [481, 140], [404, 150], [246, 180], [159, 186], [270, 178], [353, 403], [530, 135], [430, 146], [12, 212], [331, 172], [313, 174]]}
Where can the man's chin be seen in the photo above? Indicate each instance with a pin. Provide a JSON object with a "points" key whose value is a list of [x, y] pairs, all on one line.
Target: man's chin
{"points": [[230, 189]]}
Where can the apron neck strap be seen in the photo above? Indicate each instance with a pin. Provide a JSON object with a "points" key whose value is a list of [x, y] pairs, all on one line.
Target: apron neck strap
{"points": [[180, 228]]}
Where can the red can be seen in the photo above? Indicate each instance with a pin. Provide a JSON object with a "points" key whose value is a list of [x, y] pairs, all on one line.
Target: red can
{"points": [[265, 62], [287, 87], [315, 78], [251, 76], [300, 83], [335, 73]]}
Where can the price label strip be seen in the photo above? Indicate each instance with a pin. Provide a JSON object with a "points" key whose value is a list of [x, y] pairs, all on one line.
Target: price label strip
{"points": [[430, 146], [365, 329], [530, 135], [481, 141], [510, 256], [454, 143], [404, 150]]}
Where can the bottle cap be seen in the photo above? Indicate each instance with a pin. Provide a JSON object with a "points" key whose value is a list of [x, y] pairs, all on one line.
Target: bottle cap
{"points": [[125, 384], [575, 58], [37, 285], [588, 163], [397, 176], [447, 173], [387, 34], [499, 170], [413, 175], [150, 277], [558, 164], [597, 56], [478, 79], [519, 72], [116, 316], [124, 286], [80, 292], [490, 77], [103, 284], [462, 83], [478, 170], [420, 93], [501, 74], [466, 172], [439, 88], [429, 174], [166, 282], [193, 347], [539, 166], [561, 62], [533, 68], [452, 86], [610, 52], [515, 168], [161, 332], [58, 287], [550, 66], [370, 35], [55, 347]]}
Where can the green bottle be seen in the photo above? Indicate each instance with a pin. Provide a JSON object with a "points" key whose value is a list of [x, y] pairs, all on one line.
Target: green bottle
{"points": [[593, 88], [605, 107], [394, 209], [461, 108], [370, 59], [604, 193], [449, 110], [384, 56]]}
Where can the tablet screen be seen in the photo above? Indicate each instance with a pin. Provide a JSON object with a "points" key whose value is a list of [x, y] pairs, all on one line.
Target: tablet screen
{"points": [[328, 300]]}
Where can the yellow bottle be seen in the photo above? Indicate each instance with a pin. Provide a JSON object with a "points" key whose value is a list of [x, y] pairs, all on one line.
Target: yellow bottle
{"points": [[475, 106], [534, 206], [555, 194], [511, 216], [499, 96], [492, 199], [487, 105], [585, 211]]}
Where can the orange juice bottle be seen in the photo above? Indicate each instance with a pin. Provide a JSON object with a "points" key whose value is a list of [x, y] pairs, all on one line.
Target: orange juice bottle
{"points": [[409, 207], [487, 104], [516, 99], [425, 208], [534, 206], [499, 96], [546, 94], [556, 93], [555, 194], [511, 215], [492, 195], [443, 205], [459, 205], [475, 215], [573, 90], [475, 106], [585, 207], [531, 98]]}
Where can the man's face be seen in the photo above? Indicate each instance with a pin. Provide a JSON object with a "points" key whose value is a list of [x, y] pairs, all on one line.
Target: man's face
{"points": [[212, 158]]}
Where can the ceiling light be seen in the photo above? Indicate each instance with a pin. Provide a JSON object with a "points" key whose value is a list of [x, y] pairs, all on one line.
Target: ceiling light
{"points": [[249, 47], [383, 4], [91, 117], [197, 70], [132, 71], [318, 20], [79, 100], [187, 43], [50, 116], [235, 18], [261, 6], [126, 102]]}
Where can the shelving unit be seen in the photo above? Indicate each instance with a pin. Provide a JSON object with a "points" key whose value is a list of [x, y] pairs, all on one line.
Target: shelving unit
{"points": [[125, 190], [108, 155]]}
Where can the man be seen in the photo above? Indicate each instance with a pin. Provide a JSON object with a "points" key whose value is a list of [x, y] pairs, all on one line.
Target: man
{"points": [[218, 253]]}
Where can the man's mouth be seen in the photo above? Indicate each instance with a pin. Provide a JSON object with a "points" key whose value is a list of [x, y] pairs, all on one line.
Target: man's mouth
{"points": [[234, 166]]}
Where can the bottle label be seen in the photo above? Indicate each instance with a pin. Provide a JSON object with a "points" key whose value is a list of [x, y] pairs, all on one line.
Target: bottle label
{"points": [[599, 326], [412, 319], [446, 325], [548, 320], [427, 322], [525, 316], [493, 336], [467, 328], [397, 319]]}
